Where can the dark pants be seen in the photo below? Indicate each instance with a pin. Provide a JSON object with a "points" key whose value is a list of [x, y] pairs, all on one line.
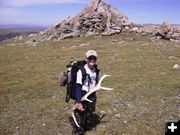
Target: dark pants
{"points": [[84, 117]]}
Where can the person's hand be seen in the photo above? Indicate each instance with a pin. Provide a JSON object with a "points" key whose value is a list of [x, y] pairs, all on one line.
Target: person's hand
{"points": [[79, 106]]}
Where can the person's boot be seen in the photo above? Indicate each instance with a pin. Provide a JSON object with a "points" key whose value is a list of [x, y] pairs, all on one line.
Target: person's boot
{"points": [[75, 132], [88, 123], [78, 131]]}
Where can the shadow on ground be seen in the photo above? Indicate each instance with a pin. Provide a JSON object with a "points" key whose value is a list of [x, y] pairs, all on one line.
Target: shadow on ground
{"points": [[91, 123]]}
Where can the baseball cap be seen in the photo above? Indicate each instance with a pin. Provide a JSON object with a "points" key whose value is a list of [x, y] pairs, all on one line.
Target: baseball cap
{"points": [[91, 53]]}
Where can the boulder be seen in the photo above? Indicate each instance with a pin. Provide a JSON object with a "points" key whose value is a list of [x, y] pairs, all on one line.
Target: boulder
{"points": [[176, 66], [69, 35], [167, 31], [175, 36]]}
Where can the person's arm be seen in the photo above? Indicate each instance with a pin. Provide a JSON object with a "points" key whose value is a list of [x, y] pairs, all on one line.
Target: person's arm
{"points": [[78, 92]]}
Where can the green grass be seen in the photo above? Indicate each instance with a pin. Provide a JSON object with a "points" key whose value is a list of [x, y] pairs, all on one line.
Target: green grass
{"points": [[145, 94]]}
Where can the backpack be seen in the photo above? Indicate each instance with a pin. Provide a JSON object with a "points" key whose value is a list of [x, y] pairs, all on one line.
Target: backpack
{"points": [[68, 78]]}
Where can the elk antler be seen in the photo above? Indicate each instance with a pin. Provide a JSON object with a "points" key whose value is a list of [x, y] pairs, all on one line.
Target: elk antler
{"points": [[96, 88], [73, 116], [85, 97]]}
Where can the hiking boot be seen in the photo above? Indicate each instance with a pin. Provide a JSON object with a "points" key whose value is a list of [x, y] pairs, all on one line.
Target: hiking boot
{"points": [[88, 127], [78, 131]]}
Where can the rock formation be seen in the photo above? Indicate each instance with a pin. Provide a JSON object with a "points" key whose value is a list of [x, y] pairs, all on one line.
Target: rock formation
{"points": [[167, 31], [100, 18], [164, 31], [97, 18]]}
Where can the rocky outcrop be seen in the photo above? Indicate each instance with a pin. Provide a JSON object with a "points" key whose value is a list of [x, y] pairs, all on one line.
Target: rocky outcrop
{"points": [[168, 31], [97, 18], [146, 28], [164, 31], [100, 18]]}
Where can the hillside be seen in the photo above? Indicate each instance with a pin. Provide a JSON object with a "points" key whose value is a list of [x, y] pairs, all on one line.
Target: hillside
{"points": [[146, 88], [9, 32]]}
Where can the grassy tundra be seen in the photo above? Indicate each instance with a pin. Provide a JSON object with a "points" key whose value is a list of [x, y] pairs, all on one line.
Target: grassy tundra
{"points": [[146, 88]]}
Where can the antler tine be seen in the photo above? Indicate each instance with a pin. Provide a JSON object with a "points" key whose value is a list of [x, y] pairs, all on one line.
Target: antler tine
{"points": [[85, 97], [104, 88], [73, 116], [101, 79]]}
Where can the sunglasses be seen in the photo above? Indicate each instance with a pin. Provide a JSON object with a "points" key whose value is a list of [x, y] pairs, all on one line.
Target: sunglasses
{"points": [[92, 58]]}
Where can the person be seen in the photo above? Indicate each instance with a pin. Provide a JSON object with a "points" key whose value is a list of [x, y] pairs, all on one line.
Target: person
{"points": [[85, 109]]}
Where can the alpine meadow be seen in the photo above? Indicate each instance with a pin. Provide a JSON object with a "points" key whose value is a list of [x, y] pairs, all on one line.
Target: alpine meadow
{"points": [[143, 61]]}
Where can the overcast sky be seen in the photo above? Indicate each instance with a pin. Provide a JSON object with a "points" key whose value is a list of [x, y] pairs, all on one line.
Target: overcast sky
{"points": [[49, 12]]}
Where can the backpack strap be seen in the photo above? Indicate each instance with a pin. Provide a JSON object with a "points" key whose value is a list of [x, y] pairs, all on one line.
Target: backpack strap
{"points": [[84, 74], [97, 70]]}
